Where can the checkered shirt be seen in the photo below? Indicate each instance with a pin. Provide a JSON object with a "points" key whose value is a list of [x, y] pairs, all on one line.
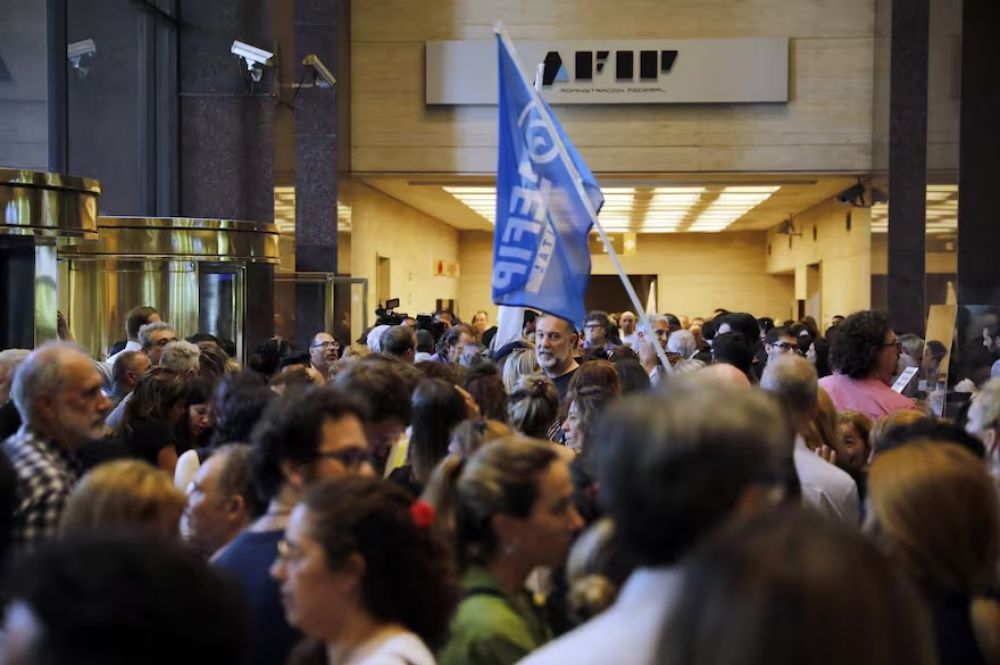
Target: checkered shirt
{"points": [[46, 475]]}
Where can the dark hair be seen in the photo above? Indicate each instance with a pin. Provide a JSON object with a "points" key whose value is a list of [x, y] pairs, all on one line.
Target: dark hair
{"points": [[198, 391], [765, 323], [743, 323], [622, 353], [680, 461], [431, 369], [931, 430], [777, 332], [235, 476], [425, 341], [788, 588], [200, 337], [397, 340], [533, 406], [451, 338], [136, 318], [267, 356], [857, 342], [290, 429], [383, 386], [407, 575], [632, 376], [117, 599], [937, 350], [673, 322], [590, 402], [157, 392], [600, 317], [437, 408], [123, 364], [240, 401], [295, 358], [600, 373], [733, 348], [501, 477], [822, 349], [486, 387]]}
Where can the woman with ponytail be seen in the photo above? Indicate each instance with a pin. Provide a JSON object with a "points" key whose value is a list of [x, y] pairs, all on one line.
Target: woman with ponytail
{"points": [[364, 576], [510, 510]]}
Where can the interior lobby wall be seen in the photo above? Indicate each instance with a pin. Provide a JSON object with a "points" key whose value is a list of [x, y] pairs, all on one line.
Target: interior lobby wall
{"points": [[825, 126], [381, 226], [696, 273], [844, 255]]}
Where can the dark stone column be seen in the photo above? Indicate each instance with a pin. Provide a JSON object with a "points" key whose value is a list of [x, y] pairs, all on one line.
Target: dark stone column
{"points": [[226, 139], [226, 132], [908, 165], [317, 32], [978, 231]]}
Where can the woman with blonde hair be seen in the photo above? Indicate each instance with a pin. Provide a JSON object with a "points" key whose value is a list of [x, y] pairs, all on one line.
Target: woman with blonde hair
{"points": [[533, 407], [934, 510], [124, 494], [520, 362]]}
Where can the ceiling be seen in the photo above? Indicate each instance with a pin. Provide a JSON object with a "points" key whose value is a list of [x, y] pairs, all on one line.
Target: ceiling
{"points": [[642, 204], [942, 211]]}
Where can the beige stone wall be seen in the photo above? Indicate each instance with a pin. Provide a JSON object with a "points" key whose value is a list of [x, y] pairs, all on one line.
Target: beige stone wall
{"points": [[936, 262], [826, 126], [383, 226], [843, 256], [696, 273]]}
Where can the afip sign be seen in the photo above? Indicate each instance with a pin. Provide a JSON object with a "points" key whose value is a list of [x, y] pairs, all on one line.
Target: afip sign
{"points": [[637, 71]]}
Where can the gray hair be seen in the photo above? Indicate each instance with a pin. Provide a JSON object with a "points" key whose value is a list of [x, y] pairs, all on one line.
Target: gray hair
{"points": [[235, 475], [181, 357], [41, 372], [792, 379], [682, 342], [913, 345], [146, 332], [11, 358]]}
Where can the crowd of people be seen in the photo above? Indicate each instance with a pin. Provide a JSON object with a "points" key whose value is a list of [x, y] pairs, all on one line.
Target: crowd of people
{"points": [[432, 493]]}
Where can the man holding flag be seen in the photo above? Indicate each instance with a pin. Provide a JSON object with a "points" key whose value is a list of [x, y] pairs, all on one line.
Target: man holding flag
{"points": [[547, 203]]}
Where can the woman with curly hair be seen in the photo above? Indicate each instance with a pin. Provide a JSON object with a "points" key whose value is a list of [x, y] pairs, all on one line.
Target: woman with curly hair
{"points": [[864, 353]]}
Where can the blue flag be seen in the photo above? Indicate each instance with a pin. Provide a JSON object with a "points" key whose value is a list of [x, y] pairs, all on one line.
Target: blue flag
{"points": [[540, 253]]}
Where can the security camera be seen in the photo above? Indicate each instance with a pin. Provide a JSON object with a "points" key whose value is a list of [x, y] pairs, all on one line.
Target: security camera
{"points": [[323, 77], [854, 195], [251, 54], [76, 51]]}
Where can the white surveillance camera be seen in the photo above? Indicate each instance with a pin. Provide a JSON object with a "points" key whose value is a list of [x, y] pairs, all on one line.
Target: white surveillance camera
{"points": [[76, 51], [251, 54], [324, 78]]}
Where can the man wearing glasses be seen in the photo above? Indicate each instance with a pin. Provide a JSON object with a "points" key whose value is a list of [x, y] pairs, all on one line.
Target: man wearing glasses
{"points": [[779, 341], [324, 351], [302, 438]]}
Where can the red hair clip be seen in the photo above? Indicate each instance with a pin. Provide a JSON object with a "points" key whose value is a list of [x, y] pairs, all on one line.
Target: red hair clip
{"points": [[422, 513]]}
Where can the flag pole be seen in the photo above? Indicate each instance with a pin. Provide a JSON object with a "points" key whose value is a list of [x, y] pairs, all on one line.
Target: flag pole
{"points": [[499, 30]]}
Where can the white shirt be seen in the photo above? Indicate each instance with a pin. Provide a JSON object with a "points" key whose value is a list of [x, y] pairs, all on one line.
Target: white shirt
{"points": [[825, 488], [115, 417], [631, 341], [401, 649], [627, 633]]}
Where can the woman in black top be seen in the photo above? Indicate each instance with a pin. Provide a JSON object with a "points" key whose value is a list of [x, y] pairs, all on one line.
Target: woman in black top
{"points": [[148, 426]]}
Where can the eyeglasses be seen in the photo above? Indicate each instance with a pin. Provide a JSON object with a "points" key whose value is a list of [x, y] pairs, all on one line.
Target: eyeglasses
{"points": [[335, 345], [895, 343], [352, 458], [786, 346], [164, 341]]}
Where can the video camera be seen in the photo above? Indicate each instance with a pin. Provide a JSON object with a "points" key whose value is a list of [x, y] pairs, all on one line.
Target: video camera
{"points": [[387, 316]]}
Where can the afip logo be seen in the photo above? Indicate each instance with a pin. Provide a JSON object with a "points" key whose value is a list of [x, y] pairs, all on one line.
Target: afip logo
{"points": [[651, 65]]}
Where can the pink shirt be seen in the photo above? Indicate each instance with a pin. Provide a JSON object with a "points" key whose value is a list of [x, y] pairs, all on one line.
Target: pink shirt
{"points": [[869, 396]]}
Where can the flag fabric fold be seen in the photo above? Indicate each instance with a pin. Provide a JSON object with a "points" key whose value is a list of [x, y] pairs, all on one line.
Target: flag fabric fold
{"points": [[541, 257]]}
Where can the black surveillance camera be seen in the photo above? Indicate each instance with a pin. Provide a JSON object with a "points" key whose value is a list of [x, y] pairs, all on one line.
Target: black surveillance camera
{"points": [[854, 195]]}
